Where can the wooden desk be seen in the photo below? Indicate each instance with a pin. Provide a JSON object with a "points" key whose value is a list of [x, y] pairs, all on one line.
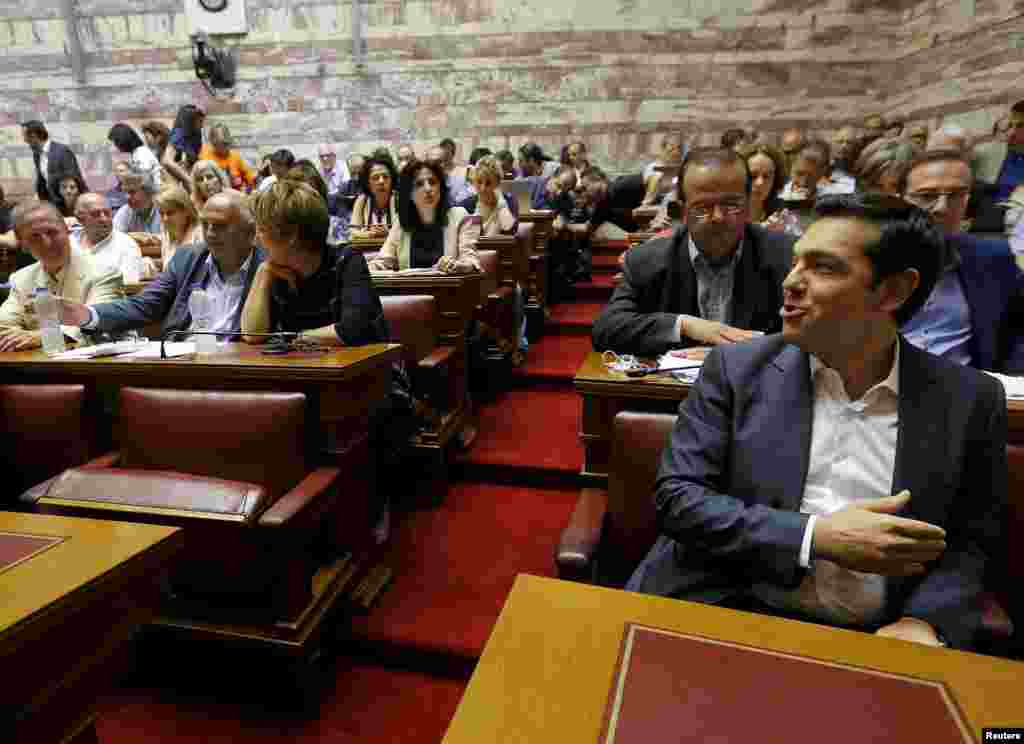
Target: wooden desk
{"points": [[67, 615], [605, 393], [340, 384], [547, 669], [513, 258], [368, 245]]}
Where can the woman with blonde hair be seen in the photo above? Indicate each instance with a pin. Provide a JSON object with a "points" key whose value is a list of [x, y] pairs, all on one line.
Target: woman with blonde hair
{"points": [[208, 179], [180, 222], [489, 203], [430, 232]]}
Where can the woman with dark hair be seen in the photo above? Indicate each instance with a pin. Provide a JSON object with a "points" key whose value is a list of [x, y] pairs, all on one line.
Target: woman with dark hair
{"points": [[375, 210], [157, 135], [70, 188], [767, 169], [430, 233], [140, 157], [184, 143], [305, 171]]}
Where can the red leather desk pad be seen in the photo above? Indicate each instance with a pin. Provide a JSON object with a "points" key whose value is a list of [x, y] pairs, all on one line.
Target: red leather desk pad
{"points": [[673, 687], [16, 547]]}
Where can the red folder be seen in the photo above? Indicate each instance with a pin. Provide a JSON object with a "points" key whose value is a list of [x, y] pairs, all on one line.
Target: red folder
{"points": [[674, 687]]}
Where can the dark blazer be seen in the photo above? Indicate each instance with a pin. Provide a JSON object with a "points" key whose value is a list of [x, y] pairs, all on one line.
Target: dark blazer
{"points": [[167, 295], [732, 479], [994, 288], [60, 164], [659, 284]]}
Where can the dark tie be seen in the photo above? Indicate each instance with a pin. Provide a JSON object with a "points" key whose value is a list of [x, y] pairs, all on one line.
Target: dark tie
{"points": [[37, 156]]}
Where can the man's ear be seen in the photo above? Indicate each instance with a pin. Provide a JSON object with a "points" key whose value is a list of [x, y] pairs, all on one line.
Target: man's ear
{"points": [[896, 289]]}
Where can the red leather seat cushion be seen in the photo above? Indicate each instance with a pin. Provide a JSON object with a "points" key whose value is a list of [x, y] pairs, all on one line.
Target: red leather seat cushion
{"points": [[412, 322], [255, 437]]}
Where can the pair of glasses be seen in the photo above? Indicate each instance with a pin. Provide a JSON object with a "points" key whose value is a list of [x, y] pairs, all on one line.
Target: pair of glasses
{"points": [[729, 209], [927, 200]]}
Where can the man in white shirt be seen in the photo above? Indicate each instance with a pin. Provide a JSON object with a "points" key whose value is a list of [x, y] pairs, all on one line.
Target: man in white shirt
{"points": [[834, 472], [59, 268], [335, 174], [110, 248]]}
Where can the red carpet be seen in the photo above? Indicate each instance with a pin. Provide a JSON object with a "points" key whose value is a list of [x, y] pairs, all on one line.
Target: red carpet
{"points": [[555, 357], [537, 428], [455, 565], [574, 316], [367, 704]]}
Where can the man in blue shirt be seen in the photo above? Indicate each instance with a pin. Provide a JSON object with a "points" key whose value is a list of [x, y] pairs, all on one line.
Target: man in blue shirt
{"points": [[975, 314]]}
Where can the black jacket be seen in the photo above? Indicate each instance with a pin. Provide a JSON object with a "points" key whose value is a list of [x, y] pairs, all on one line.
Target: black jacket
{"points": [[659, 284]]}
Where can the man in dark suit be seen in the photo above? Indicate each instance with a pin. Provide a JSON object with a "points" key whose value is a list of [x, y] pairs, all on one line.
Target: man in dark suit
{"points": [[834, 472], [716, 280], [975, 314], [53, 162], [224, 267]]}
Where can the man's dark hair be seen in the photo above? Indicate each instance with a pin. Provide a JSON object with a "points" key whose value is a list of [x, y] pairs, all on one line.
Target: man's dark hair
{"points": [[733, 137], [125, 138], [364, 175], [408, 215], [185, 119], [908, 240], [37, 128], [282, 157], [532, 151], [306, 171], [709, 156], [1017, 108], [478, 152], [933, 156], [448, 144], [818, 150]]}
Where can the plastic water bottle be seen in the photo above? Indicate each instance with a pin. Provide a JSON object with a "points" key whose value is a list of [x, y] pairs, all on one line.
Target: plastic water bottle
{"points": [[200, 307], [48, 312]]}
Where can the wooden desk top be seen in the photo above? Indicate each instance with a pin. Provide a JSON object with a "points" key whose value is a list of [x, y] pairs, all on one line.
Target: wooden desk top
{"points": [[546, 671], [89, 551], [237, 360], [593, 378], [395, 279]]}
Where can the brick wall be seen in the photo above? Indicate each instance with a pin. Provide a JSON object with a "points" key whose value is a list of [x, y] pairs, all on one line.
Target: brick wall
{"points": [[616, 73]]}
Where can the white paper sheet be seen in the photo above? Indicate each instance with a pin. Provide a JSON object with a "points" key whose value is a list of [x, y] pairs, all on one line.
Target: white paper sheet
{"points": [[176, 349], [1014, 385], [114, 348]]}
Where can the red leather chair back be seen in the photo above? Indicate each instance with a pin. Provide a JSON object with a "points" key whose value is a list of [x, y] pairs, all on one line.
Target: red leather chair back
{"points": [[631, 524], [258, 437], [45, 432], [412, 320]]}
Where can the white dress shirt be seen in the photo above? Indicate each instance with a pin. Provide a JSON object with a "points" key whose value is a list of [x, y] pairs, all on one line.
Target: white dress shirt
{"points": [[226, 293], [115, 253], [852, 458], [44, 162]]}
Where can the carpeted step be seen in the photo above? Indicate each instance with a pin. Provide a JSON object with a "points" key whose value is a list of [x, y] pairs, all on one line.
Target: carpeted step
{"points": [[554, 358], [606, 264], [573, 318], [599, 289], [455, 565], [366, 703]]}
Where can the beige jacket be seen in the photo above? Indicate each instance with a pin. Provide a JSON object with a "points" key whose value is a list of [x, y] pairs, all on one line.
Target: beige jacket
{"points": [[81, 280], [460, 238]]}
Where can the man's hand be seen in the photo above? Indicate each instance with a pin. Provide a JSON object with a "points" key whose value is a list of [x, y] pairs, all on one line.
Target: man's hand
{"points": [[712, 333], [446, 265], [867, 537], [910, 629], [145, 239], [19, 340], [378, 231], [279, 271], [73, 313]]}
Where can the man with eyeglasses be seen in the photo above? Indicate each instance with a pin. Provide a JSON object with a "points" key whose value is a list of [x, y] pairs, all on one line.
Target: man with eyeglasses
{"points": [[335, 174], [975, 314], [716, 280]]}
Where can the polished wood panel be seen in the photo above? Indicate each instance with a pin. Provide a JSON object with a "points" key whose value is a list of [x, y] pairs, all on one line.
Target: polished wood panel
{"points": [[68, 614], [537, 285], [548, 666], [604, 393]]}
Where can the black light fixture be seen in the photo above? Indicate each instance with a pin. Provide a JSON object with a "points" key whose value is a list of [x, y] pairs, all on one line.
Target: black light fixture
{"points": [[214, 67]]}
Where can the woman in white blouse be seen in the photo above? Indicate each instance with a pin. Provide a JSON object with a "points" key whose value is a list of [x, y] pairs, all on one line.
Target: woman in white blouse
{"points": [[430, 233], [489, 204], [375, 210], [140, 157], [180, 221]]}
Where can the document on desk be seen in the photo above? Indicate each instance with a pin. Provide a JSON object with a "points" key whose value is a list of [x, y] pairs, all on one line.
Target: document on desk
{"points": [[685, 368], [114, 348], [420, 272], [1014, 386], [672, 687], [171, 350]]}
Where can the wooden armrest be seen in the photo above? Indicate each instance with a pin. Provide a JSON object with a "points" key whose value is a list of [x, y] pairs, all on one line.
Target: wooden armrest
{"points": [[109, 460], [580, 538], [437, 357], [317, 483]]}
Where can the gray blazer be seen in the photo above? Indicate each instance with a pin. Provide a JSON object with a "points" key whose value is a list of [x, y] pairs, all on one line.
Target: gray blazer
{"points": [[732, 479]]}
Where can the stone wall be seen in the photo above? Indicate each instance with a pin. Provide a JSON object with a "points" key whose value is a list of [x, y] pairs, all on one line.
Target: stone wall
{"points": [[616, 73]]}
